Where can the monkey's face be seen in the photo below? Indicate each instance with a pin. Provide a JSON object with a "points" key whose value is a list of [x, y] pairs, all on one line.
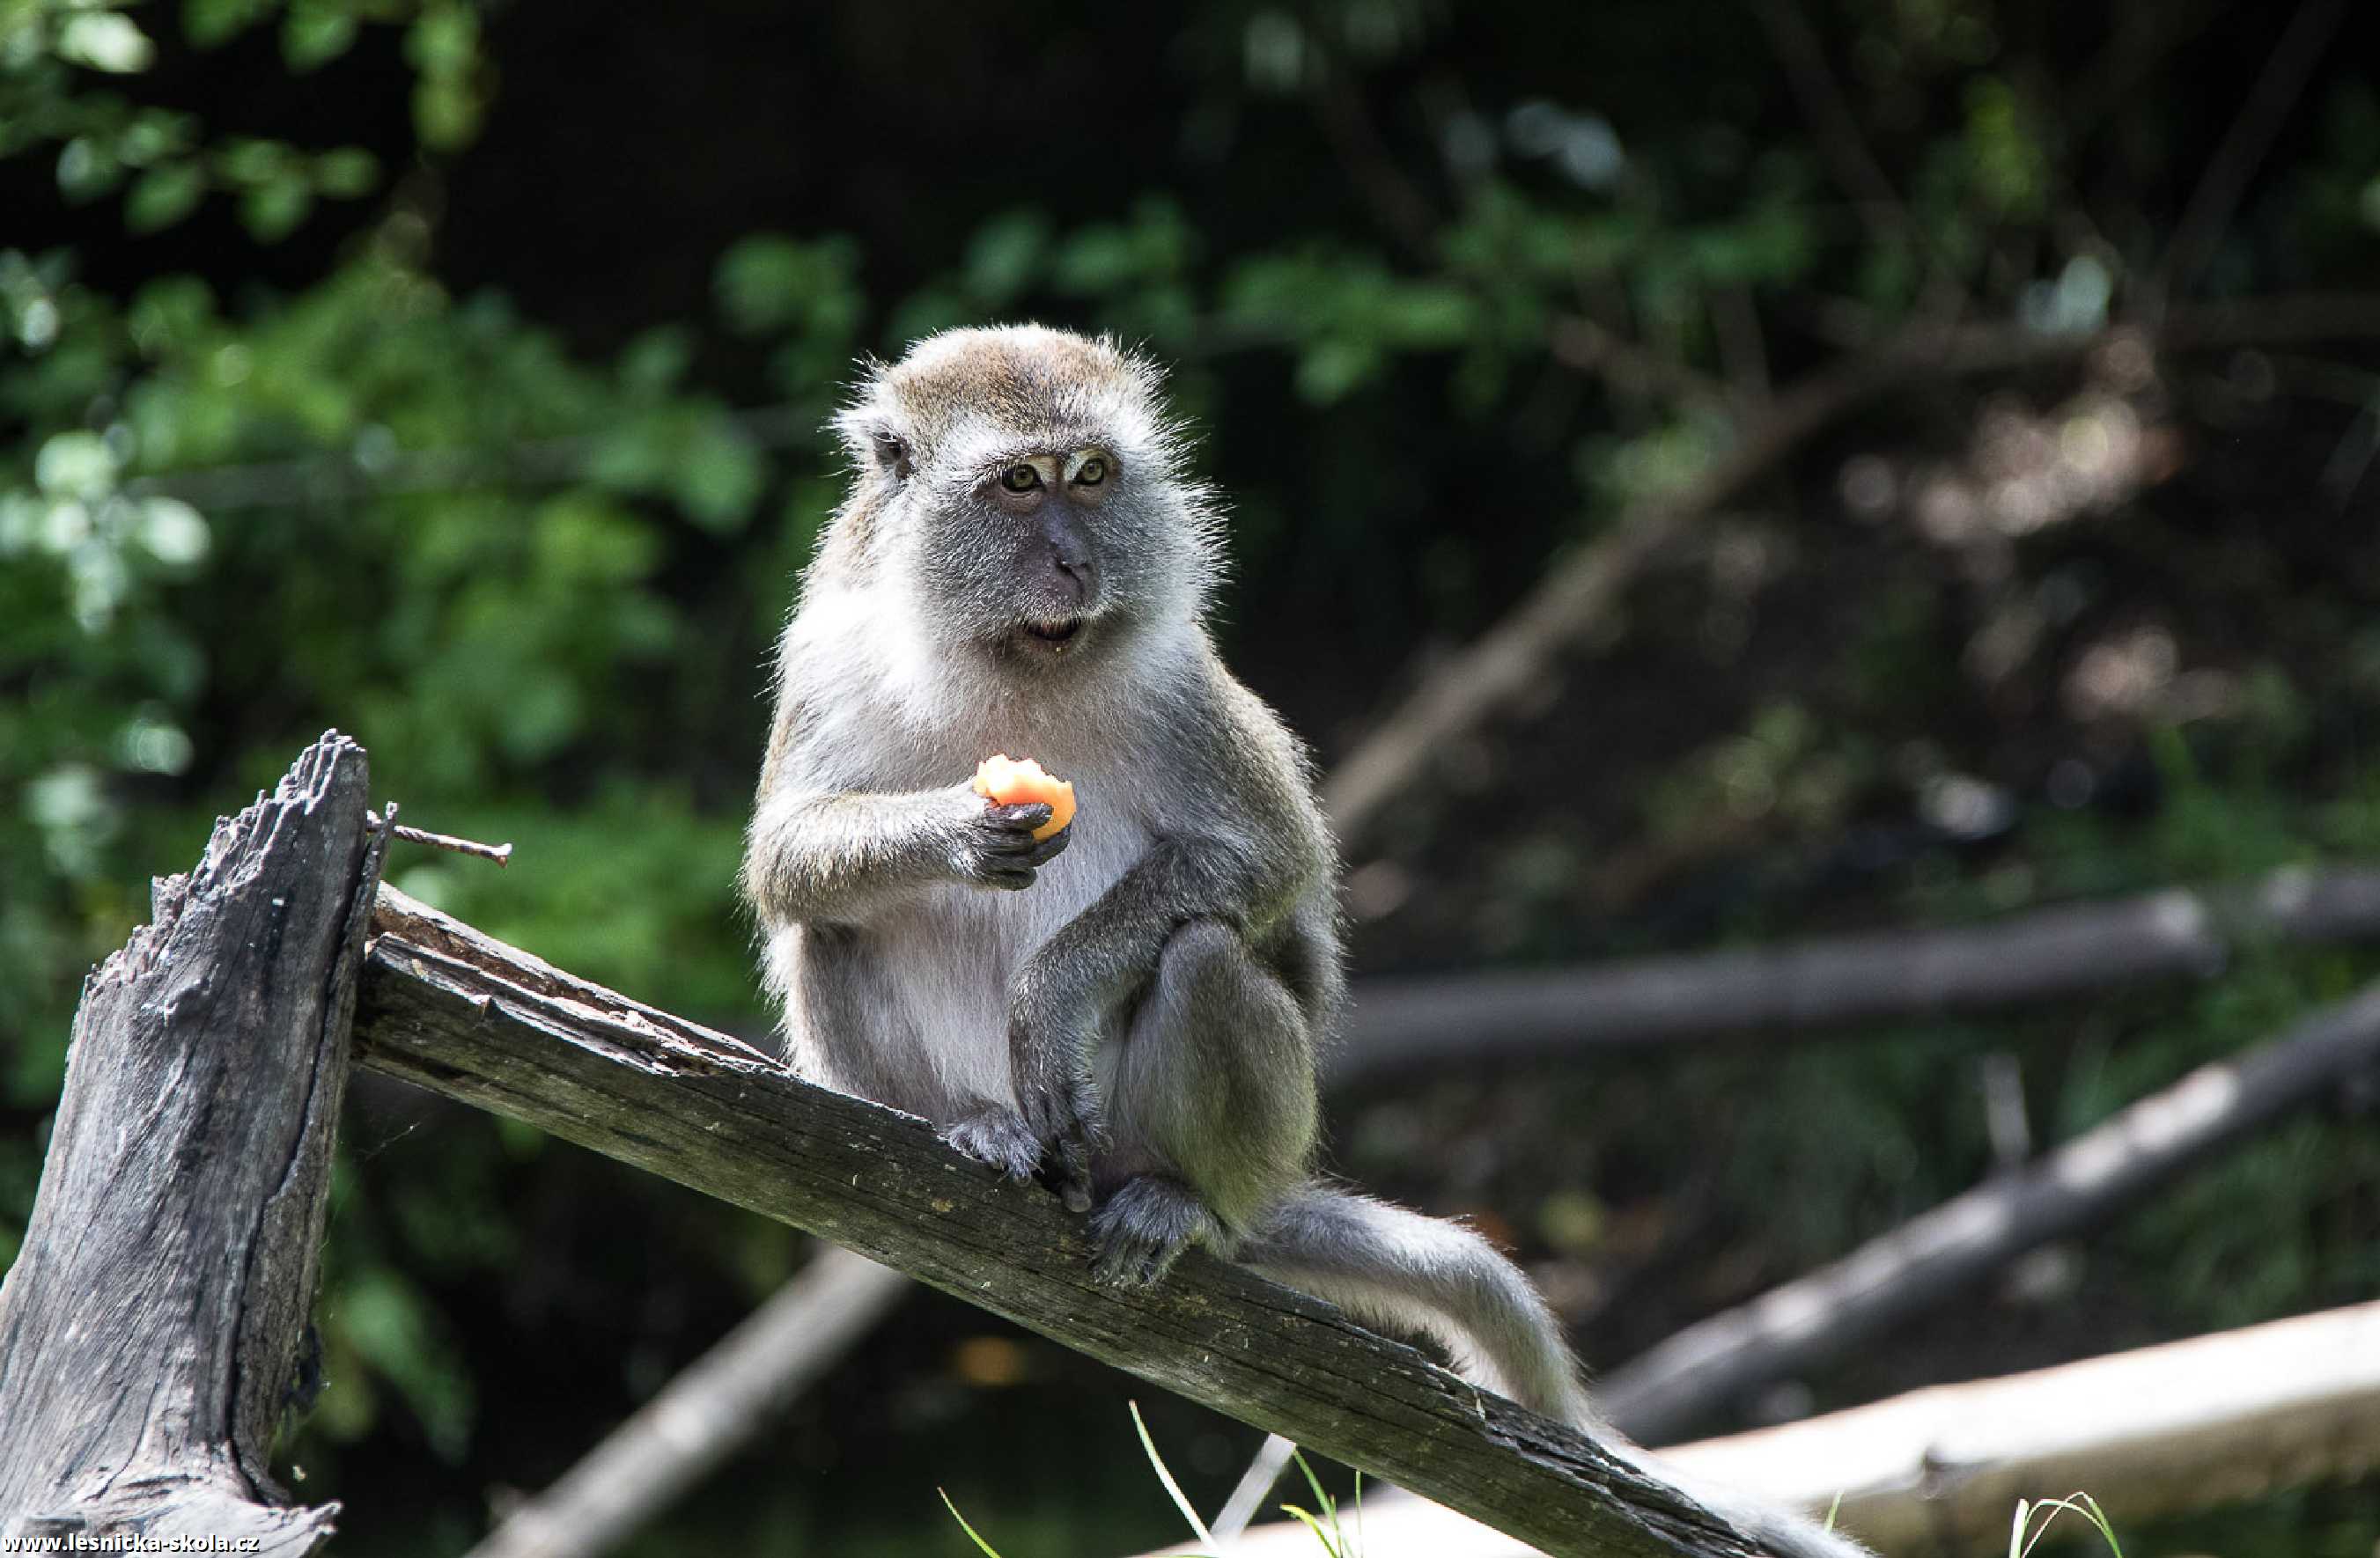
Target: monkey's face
{"points": [[1037, 512], [1026, 484]]}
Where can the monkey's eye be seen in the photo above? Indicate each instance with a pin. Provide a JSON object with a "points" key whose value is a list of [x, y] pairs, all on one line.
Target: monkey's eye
{"points": [[1091, 472], [1020, 477]]}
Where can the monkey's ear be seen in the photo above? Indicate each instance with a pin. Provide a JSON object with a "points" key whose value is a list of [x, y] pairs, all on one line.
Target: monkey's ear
{"points": [[891, 452], [877, 442]]}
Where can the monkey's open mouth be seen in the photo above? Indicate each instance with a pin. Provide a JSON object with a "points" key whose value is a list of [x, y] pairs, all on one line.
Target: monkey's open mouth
{"points": [[1055, 634]]}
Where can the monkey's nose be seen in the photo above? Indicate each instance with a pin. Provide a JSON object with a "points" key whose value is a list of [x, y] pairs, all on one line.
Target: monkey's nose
{"points": [[1077, 572]]}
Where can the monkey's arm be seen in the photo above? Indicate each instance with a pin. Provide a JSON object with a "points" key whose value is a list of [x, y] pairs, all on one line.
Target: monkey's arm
{"points": [[842, 857]]}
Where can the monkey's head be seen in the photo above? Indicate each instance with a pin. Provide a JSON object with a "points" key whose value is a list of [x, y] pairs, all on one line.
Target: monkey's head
{"points": [[1022, 485]]}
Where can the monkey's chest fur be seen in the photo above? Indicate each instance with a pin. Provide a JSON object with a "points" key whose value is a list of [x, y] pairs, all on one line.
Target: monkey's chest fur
{"points": [[911, 1010]]}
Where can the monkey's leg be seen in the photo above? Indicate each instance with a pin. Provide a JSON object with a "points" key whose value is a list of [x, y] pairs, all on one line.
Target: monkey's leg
{"points": [[1209, 1106]]}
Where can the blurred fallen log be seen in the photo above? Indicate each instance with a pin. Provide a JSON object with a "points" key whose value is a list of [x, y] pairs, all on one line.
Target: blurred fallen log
{"points": [[2040, 955], [2085, 1182], [712, 1409], [153, 1330], [453, 1011], [2149, 1433]]}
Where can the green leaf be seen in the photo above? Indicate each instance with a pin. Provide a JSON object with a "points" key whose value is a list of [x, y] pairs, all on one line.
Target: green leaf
{"points": [[271, 212], [105, 41], [164, 196], [313, 35], [445, 112], [174, 533], [207, 23], [767, 283], [445, 41], [87, 169], [652, 364], [1005, 256], [586, 541], [346, 172], [1331, 370], [720, 477], [77, 465]]}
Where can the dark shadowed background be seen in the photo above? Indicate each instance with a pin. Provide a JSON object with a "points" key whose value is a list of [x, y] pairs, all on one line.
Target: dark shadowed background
{"points": [[451, 373]]}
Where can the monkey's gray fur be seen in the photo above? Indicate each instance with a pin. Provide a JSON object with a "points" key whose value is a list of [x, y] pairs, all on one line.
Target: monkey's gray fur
{"points": [[1131, 1007]]}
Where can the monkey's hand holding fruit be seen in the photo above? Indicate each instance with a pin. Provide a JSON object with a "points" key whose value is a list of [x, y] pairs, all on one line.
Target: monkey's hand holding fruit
{"points": [[1055, 1121], [1022, 822]]}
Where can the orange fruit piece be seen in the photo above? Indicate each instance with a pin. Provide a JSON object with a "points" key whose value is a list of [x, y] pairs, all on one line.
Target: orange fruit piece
{"points": [[1013, 781]]}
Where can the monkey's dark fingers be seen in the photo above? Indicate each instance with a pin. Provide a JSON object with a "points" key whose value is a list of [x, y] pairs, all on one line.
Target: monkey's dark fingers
{"points": [[1022, 817], [1044, 851]]}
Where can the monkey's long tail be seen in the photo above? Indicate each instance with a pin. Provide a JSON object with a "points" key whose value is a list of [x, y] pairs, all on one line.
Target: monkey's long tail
{"points": [[1400, 1271]]}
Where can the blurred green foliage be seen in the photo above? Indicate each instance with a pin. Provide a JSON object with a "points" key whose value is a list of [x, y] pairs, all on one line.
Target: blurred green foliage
{"points": [[389, 364]]}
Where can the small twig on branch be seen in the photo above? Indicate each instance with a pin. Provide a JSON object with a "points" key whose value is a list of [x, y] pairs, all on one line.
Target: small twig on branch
{"points": [[2109, 1167], [450, 1010], [500, 854], [2154, 1433]]}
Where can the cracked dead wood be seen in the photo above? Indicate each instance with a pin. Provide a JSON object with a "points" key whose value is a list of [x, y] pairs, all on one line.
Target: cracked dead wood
{"points": [[151, 1328], [457, 1012]]}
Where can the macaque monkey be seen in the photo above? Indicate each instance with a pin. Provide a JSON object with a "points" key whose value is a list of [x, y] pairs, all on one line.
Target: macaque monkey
{"points": [[1129, 1009]]}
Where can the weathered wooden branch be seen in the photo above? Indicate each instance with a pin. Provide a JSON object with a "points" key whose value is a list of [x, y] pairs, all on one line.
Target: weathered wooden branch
{"points": [[704, 1415], [448, 1008], [2082, 1183], [1394, 1024], [151, 1328], [2150, 1433], [2041, 954]]}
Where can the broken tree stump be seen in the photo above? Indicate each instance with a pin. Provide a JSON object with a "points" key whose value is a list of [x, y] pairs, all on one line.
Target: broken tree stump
{"points": [[152, 1329]]}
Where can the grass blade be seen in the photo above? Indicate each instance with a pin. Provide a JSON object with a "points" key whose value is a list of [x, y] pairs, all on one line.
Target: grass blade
{"points": [[1181, 1501], [1315, 1527], [988, 1550]]}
